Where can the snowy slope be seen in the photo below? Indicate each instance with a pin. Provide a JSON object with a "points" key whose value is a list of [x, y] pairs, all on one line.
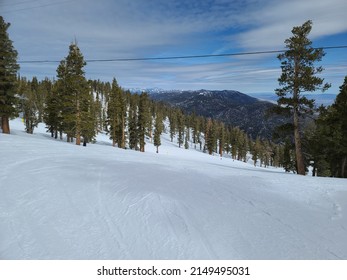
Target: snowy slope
{"points": [[62, 201]]}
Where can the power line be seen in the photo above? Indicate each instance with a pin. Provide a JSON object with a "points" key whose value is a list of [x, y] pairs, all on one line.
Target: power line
{"points": [[178, 57], [36, 7], [17, 3]]}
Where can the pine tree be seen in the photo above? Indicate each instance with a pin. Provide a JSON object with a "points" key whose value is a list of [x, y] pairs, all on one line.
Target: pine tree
{"points": [[29, 103], [158, 129], [75, 94], [53, 110], [143, 120], [288, 155], [8, 75], [88, 118], [133, 130], [210, 136], [233, 141], [299, 76], [221, 139], [256, 151], [116, 111], [328, 144], [173, 123], [180, 128], [340, 109], [242, 146]]}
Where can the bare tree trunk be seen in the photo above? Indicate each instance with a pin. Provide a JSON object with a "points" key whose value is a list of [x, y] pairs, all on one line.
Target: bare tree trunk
{"points": [[5, 125], [78, 124], [297, 139]]}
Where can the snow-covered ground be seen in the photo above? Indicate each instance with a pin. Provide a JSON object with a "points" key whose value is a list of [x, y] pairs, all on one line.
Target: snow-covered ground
{"points": [[62, 201]]}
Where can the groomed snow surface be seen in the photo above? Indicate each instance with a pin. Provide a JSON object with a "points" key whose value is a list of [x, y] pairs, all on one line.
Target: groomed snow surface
{"points": [[62, 201]]}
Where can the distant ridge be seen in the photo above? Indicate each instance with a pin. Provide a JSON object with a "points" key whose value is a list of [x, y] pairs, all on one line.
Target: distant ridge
{"points": [[229, 106]]}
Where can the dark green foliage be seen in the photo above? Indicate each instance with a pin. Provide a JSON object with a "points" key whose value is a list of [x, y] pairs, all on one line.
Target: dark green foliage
{"points": [[210, 136], [288, 161], [8, 75], [173, 123], [53, 110], [221, 139], [299, 75], [257, 151], [133, 123], [116, 112], [75, 97], [143, 120], [29, 103], [180, 128], [158, 129], [327, 144]]}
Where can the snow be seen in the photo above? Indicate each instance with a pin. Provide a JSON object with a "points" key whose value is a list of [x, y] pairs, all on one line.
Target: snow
{"points": [[62, 201]]}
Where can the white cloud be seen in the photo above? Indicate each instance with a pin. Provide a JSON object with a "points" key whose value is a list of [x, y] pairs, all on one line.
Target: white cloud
{"points": [[153, 28], [275, 20]]}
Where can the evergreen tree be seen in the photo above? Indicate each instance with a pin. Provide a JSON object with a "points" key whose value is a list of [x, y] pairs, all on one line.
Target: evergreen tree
{"points": [[173, 123], [75, 95], [210, 136], [242, 146], [221, 139], [143, 119], [8, 75], [88, 118], [256, 151], [29, 103], [158, 129], [288, 156], [233, 141], [116, 111], [53, 110], [340, 115], [180, 128], [298, 76], [328, 144], [133, 130], [195, 129]]}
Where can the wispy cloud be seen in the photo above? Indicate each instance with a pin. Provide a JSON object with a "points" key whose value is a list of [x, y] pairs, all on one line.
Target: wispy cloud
{"points": [[153, 28], [274, 21]]}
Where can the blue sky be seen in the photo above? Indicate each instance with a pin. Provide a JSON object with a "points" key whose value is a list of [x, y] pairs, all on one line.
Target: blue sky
{"points": [[109, 29]]}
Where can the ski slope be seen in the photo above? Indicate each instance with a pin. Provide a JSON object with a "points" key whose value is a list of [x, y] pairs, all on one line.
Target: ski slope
{"points": [[62, 201]]}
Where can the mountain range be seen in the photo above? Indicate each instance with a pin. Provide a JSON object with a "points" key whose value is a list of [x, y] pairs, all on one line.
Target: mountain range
{"points": [[232, 107]]}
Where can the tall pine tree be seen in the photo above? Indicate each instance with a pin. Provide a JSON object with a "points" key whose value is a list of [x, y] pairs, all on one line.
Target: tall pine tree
{"points": [[144, 118], [299, 76], [75, 95], [8, 74], [158, 129]]}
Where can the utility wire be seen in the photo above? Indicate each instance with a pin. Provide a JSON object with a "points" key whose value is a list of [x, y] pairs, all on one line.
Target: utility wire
{"points": [[177, 57], [36, 7], [17, 3]]}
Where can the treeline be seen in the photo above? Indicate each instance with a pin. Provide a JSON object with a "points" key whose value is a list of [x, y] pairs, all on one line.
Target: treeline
{"points": [[129, 119], [81, 109], [78, 109]]}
